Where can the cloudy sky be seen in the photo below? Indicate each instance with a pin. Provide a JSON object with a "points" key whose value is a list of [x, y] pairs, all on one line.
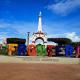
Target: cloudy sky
{"points": [[60, 18]]}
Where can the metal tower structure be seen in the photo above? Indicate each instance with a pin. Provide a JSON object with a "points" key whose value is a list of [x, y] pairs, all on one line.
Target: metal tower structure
{"points": [[39, 34], [40, 23]]}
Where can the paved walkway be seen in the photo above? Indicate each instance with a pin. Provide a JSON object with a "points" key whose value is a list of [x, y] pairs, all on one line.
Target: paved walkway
{"points": [[38, 59]]}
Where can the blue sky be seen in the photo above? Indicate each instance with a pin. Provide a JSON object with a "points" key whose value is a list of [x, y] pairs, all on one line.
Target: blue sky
{"points": [[60, 18]]}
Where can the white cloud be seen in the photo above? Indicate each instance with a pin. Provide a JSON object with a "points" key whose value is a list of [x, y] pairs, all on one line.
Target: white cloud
{"points": [[20, 27], [73, 36], [25, 27], [2, 37], [56, 36], [16, 29], [51, 43], [3, 24], [64, 7]]}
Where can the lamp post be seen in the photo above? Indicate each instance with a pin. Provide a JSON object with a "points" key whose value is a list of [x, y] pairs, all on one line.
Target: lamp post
{"points": [[28, 34]]}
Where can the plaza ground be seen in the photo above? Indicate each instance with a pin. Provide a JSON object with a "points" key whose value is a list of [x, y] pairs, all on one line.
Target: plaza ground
{"points": [[39, 71]]}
